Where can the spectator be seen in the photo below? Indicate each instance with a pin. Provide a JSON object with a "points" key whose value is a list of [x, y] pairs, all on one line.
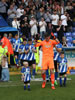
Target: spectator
{"points": [[64, 41], [15, 23], [48, 18], [3, 8], [39, 14], [69, 22], [60, 31], [11, 14], [23, 16], [32, 13], [64, 20], [14, 5], [42, 25], [25, 27], [62, 7], [67, 6], [70, 11], [27, 10], [20, 11], [33, 24], [55, 19]]}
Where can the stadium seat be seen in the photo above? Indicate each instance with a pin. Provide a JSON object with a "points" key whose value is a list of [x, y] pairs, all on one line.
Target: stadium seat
{"points": [[69, 39], [68, 34], [69, 44], [55, 34], [73, 29], [73, 34]]}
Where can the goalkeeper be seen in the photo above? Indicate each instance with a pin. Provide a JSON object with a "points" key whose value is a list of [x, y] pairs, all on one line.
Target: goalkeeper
{"points": [[47, 59]]}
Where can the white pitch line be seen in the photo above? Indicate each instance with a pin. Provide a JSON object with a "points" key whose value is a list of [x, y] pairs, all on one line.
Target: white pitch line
{"points": [[13, 85]]}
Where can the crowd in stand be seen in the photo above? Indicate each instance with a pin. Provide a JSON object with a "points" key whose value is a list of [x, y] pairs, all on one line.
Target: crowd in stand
{"points": [[35, 17]]}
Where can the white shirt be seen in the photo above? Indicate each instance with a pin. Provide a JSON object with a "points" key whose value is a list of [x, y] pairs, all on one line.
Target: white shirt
{"points": [[42, 28], [55, 22], [34, 26], [15, 24], [19, 12], [64, 20], [6, 65]]}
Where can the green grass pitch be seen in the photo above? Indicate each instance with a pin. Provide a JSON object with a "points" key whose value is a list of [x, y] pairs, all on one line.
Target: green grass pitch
{"points": [[13, 90]]}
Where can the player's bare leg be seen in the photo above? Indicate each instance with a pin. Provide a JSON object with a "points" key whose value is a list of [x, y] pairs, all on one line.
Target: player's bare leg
{"points": [[52, 79], [44, 78]]}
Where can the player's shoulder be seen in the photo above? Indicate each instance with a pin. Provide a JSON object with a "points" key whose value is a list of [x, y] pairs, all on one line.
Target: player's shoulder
{"points": [[13, 39], [21, 45], [23, 69], [59, 58], [19, 39], [27, 45], [65, 58], [28, 67]]}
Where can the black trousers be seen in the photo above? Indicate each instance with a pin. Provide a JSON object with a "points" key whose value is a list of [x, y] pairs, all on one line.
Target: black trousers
{"points": [[0, 71]]}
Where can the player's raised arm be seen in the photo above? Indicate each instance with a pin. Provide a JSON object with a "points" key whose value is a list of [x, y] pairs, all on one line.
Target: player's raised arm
{"points": [[57, 40]]}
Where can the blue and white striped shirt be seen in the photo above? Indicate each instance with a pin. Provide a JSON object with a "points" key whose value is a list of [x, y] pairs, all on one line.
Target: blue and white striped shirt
{"points": [[23, 56], [16, 44], [62, 65], [26, 72], [57, 54], [31, 55]]}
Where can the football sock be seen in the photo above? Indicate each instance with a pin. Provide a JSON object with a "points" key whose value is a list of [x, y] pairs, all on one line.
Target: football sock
{"points": [[16, 60], [60, 79], [52, 79], [64, 81], [44, 77], [56, 75], [28, 86], [33, 72]]}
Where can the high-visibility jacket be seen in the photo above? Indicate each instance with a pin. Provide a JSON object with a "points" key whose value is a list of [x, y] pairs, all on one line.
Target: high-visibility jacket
{"points": [[3, 51]]}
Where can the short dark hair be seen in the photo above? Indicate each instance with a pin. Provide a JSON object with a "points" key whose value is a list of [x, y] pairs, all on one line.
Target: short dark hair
{"points": [[30, 39], [16, 34], [24, 39], [46, 35]]}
